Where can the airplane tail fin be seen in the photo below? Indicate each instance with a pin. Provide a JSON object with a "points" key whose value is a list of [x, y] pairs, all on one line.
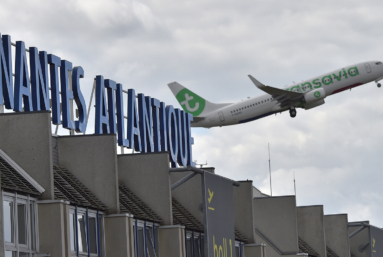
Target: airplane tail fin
{"points": [[191, 102]]}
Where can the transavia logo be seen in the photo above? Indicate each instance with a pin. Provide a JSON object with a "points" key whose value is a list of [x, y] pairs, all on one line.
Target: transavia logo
{"points": [[317, 94], [191, 102]]}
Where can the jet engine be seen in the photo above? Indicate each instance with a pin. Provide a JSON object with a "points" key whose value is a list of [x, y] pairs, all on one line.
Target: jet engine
{"points": [[315, 95], [314, 104]]}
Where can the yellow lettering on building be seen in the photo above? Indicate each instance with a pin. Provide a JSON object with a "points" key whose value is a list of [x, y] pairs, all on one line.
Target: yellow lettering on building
{"points": [[221, 250]]}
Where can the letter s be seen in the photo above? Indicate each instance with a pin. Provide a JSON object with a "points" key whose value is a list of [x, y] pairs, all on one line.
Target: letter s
{"points": [[80, 125], [317, 83]]}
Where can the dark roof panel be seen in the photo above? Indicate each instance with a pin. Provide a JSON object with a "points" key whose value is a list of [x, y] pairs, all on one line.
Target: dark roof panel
{"points": [[13, 180], [330, 252], [305, 248], [131, 203], [183, 217], [67, 187]]}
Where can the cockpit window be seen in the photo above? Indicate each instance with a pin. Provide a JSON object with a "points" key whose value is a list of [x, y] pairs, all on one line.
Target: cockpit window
{"points": [[378, 63]]}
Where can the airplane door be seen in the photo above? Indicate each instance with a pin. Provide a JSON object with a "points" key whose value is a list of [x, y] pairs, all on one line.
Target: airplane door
{"points": [[368, 68], [221, 117]]}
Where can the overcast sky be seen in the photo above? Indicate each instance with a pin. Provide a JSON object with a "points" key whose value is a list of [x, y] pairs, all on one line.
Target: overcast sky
{"points": [[210, 47]]}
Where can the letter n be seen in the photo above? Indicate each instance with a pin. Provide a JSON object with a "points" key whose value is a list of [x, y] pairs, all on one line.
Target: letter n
{"points": [[39, 79], [22, 85]]}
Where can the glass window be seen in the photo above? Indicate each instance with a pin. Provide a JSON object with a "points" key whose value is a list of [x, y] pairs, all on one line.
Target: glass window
{"points": [[140, 244], [238, 249], [72, 229], [19, 215], [22, 223], [8, 221], [194, 244], [189, 250], [81, 223], [93, 235], [85, 222], [148, 248], [150, 241], [32, 224], [10, 254], [197, 249]]}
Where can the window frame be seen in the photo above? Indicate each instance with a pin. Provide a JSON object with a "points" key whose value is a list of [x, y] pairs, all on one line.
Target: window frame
{"points": [[100, 238], [190, 234], [31, 223], [144, 225]]}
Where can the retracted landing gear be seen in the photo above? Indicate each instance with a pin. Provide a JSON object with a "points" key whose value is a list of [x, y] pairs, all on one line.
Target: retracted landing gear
{"points": [[293, 112], [379, 85]]}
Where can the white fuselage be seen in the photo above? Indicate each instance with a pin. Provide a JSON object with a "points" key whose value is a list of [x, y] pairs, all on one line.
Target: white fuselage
{"points": [[264, 105]]}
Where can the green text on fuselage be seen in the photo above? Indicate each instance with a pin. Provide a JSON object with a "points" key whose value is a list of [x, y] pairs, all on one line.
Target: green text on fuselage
{"points": [[326, 80]]}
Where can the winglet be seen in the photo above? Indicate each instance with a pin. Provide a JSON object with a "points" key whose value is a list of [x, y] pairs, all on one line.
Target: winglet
{"points": [[256, 82]]}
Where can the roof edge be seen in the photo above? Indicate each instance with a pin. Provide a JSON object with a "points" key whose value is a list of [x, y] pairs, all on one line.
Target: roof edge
{"points": [[21, 171]]}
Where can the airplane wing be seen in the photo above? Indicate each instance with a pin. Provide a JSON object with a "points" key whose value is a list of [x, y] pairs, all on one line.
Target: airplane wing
{"points": [[284, 97]]}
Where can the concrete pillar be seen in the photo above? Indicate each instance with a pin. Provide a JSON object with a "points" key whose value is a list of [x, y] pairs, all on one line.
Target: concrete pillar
{"points": [[53, 227], [311, 227], [147, 175], [93, 160], [243, 210], [254, 250], [172, 241], [336, 229], [275, 220], [119, 237], [26, 138]]}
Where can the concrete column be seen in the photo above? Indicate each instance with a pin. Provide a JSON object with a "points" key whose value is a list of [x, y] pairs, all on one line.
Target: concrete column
{"points": [[276, 222], [336, 229], [311, 227], [119, 237], [147, 175], [93, 160], [26, 138], [254, 250], [172, 241], [53, 231], [243, 210]]}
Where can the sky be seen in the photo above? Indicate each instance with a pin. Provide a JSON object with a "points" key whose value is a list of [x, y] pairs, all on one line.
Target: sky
{"points": [[335, 150]]}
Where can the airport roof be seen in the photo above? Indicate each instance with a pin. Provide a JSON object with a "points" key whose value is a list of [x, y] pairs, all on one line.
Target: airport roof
{"points": [[13, 179], [131, 203], [183, 217], [67, 187]]}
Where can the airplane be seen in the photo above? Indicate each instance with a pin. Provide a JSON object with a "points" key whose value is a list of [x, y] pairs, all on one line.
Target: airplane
{"points": [[307, 94]]}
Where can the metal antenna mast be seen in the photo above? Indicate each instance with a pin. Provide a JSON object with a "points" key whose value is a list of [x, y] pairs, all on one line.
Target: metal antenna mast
{"points": [[271, 188], [295, 189]]}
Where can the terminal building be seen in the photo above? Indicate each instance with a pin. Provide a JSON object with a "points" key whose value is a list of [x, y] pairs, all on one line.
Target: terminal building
{"points": [[75, 196], [68, 196]]}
